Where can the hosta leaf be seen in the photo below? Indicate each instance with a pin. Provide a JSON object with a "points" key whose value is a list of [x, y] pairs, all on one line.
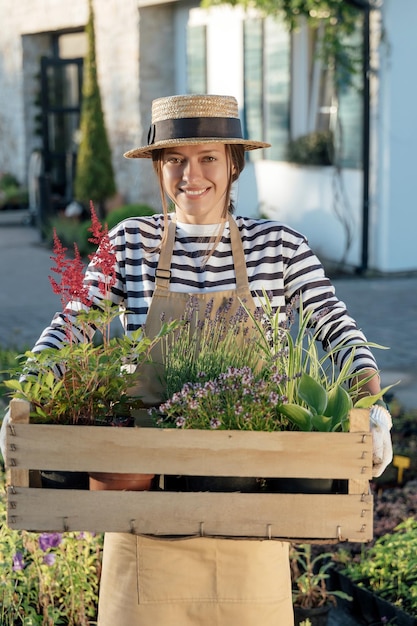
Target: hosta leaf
{"points": [[339, 404], [300, 416], [312, 393], [322, 423]]}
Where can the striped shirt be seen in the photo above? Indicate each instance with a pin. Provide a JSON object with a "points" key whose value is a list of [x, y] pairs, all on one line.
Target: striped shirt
{"points": [[279, 262]]}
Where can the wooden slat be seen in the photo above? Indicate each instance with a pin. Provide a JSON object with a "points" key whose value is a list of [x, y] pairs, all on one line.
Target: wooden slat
{"points": [[18, 473], [359, 421], [300, 517], [190, 452], [339, 518]]}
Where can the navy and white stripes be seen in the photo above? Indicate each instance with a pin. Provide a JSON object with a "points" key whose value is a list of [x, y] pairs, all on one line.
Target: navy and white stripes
{"points": [[278, 259]]}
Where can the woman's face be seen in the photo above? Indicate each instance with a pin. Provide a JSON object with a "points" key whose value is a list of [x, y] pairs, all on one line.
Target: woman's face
{"points": [[196, 179]]}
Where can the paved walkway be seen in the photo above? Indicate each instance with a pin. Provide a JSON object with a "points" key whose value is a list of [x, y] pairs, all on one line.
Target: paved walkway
{"points": [[385, 308]]}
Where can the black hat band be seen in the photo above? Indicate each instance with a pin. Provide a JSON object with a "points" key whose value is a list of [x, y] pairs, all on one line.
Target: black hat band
{"points": [[195, 127]]}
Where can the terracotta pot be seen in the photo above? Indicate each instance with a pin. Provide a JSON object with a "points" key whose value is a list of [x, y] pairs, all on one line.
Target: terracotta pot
{"points": [[107, 481]]}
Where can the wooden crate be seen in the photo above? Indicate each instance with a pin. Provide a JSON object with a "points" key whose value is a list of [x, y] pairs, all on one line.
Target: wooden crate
{"points": [[298, 517]]}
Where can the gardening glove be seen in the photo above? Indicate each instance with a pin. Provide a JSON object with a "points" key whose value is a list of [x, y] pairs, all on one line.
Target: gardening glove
{"points": [[380, 423], [6, 420]]}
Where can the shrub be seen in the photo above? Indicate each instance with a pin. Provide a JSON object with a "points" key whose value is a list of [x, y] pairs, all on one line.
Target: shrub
{"points": [[94, 175], [126, 211], [312, 149]]}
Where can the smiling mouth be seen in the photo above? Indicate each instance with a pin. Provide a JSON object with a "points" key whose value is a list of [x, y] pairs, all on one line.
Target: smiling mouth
{"points": [[194, 192]]}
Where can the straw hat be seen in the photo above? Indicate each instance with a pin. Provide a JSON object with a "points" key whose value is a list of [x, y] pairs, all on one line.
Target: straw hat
{"points": [[193, 119]]}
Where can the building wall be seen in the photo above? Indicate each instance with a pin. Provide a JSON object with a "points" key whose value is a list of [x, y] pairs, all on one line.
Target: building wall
{"points": [[25, 36], [19, 53], [141, 55], [395, 133]]}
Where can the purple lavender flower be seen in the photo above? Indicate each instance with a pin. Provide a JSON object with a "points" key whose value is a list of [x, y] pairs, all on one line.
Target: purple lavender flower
{"points": [[18, 562], [49, 540]]}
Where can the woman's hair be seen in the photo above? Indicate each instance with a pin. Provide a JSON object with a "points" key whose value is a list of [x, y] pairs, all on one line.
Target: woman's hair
{"points": [[235, 156]]}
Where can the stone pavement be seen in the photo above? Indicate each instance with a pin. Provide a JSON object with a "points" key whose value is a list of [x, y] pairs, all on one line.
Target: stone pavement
{"points": [[384, 308]]}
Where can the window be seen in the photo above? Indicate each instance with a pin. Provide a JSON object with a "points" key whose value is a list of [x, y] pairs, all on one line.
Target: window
{"points": [[348, 133], [267, 84], [196, 59]]}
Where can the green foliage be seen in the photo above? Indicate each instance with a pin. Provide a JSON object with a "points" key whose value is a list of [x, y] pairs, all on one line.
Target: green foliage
{"points": [[309, 575], [312, 149], [218, 378], [94, 176], [389, 567], [11, 192], [47, 579], [128, 210], [95, 385], [8, 368], [71, 232]]}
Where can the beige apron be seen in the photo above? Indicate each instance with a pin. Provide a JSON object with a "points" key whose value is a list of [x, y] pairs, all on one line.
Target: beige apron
{"points": [[194, 581]]}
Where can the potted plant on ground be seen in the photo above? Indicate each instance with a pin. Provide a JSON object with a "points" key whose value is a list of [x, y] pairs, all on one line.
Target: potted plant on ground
{"points": [[385, 573], [90, 379], [312, 598]]}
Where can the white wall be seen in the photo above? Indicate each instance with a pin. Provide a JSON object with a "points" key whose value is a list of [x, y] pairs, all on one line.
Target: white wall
{"points": [[307, 198], [394, 210]]}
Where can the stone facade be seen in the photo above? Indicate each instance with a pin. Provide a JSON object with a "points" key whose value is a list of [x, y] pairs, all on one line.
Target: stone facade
{"points": [[125, 38]]}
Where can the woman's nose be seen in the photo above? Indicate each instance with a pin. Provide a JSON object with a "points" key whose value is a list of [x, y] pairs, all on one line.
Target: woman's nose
{"points": [[192, 170]]}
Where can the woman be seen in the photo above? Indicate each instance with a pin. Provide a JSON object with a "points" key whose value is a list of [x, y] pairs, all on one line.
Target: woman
{"points": [[198, 151]]}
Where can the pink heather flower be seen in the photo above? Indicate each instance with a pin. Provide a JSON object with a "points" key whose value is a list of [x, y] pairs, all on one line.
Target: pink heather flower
{"points": [[18, 562], [215, 423]]}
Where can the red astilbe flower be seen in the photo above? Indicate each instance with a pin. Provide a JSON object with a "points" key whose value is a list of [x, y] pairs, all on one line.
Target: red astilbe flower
{"points": [[71, 272], [104, 258]]}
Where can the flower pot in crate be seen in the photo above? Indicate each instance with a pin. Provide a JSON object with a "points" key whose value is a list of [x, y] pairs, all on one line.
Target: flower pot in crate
{"points": [[107, 481]]}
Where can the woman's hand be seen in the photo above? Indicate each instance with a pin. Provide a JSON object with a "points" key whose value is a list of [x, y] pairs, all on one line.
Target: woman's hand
{"points": [[381, 424]]}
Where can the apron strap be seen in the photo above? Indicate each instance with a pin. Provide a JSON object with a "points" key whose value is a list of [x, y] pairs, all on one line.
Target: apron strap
{"points": [[163, 271]]}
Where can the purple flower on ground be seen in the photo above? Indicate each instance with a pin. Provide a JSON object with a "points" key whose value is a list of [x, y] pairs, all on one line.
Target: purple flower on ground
{"points": [[49, 540], [18, 562], [49, 559]]}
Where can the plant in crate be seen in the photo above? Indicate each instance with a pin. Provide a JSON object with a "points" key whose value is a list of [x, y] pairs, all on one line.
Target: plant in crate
{"points": [[90, 378], [312, 598], [217, 378]]}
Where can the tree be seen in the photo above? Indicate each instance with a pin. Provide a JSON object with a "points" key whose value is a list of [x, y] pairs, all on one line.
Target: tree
{"points": [[94, 175]]}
